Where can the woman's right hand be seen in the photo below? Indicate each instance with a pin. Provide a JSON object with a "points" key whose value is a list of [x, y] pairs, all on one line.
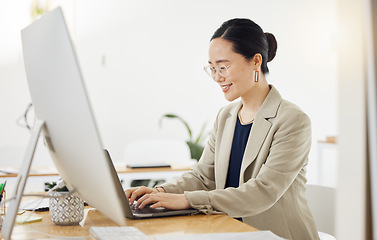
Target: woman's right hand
{"points": [[156, 198], [134, 193]]}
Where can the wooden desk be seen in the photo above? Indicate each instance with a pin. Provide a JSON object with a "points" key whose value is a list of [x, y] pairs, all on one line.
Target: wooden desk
{"points": [[169, 225]]}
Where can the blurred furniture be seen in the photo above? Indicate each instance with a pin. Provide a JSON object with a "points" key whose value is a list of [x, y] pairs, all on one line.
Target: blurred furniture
{"points": [[327, 170], [39, 176], [168, 151], [321, 200], [153, 152], [174, 152]]}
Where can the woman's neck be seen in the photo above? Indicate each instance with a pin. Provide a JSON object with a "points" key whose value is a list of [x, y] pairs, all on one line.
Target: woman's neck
{"points": [[253, 101]]}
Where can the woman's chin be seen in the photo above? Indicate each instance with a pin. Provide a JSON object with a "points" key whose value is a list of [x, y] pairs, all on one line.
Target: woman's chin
{"points": [[229, 97]]}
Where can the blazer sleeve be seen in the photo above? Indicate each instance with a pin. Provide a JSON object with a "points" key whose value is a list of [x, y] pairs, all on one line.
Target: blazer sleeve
{"points": [[287, 155]]}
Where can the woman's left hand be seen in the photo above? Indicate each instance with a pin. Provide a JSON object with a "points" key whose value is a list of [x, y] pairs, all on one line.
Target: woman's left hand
{"points": [[166, 200]]}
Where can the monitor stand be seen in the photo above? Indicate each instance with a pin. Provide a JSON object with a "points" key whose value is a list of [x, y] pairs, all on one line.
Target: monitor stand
{"points": [[12, 210]]}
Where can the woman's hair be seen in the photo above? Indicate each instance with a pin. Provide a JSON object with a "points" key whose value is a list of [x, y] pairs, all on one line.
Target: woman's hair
{"points": [[248, 39]]}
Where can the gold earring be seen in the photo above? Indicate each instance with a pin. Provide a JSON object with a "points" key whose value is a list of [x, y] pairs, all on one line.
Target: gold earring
{"points": [[256, 76]]}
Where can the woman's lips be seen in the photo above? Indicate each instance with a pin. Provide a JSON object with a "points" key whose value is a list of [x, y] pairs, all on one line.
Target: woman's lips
{"points": [[225, 88]]}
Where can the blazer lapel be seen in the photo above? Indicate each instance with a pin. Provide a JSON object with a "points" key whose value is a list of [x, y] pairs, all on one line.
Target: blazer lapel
{"points": [[225, 147], [260, 128]]}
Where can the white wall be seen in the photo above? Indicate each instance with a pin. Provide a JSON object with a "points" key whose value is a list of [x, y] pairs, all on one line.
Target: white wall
{"points": [[352, 203], [142, 59]]}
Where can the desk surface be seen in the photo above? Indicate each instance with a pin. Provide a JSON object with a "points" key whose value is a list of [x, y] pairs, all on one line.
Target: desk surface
{"points": [[168, 225]]}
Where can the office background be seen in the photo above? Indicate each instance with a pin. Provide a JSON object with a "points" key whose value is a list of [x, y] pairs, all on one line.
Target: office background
{"points": [[142, 59]]}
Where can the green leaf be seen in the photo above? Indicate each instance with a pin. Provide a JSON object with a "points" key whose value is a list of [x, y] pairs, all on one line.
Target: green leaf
{"points": [[196, 150], [179, 118]]}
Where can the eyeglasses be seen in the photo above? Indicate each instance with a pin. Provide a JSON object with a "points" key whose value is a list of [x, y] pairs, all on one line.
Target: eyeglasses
{"points": [[222, 70]]}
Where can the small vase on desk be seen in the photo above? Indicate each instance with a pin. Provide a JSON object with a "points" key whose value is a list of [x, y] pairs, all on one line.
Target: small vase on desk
{"points": [[66, 208]]}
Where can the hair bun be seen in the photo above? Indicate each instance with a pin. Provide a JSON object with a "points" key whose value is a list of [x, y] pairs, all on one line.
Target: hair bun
{"points": [[272, 46]]}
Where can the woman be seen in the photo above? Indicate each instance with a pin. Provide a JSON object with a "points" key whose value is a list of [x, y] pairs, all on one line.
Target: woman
{"points": [[254, 164]]}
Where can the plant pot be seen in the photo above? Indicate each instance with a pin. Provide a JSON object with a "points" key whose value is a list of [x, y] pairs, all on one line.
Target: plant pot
{"points": [[66, 208]]}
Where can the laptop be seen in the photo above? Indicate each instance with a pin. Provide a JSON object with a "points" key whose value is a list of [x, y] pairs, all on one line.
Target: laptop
{"points": [[146, 212]]}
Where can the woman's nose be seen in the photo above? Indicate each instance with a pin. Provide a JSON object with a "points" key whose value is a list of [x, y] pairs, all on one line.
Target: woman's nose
{"points": [[218, 78]]}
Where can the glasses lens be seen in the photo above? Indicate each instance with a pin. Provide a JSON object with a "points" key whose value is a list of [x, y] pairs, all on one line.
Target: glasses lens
{"points": [[211, 71], [223, 71]]}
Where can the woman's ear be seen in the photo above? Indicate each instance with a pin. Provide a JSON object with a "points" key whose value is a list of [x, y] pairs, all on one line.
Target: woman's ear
{"points": [[257, 61]]}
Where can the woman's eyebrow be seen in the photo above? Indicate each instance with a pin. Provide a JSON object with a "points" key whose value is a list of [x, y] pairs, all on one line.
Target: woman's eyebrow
{"points": [[219, 61]]}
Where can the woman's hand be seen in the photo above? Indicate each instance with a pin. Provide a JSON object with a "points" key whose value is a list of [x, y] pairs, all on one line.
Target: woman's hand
{"points": [[166, 200], [134, 193]]}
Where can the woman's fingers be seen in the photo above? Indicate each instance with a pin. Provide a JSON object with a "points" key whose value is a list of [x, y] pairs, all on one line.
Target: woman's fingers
{"points": [[134, 193], [148, 196], [129, 192], [145, 200], [167, 200]]}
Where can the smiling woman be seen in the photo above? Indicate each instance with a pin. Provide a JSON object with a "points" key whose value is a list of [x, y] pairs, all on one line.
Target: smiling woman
{"points": [[254, 164]]}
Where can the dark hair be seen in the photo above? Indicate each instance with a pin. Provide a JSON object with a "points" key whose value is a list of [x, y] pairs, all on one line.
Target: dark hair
{"points": [[248, 39]]}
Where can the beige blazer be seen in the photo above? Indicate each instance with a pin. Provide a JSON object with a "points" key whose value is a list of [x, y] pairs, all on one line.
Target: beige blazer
{"points": [[271, 195]]}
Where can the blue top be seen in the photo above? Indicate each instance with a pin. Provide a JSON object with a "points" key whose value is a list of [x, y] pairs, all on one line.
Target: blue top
{"points": [[240, 137]]}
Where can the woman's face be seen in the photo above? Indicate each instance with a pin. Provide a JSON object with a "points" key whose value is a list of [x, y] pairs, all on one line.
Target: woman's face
{"points": [[240, 79]]}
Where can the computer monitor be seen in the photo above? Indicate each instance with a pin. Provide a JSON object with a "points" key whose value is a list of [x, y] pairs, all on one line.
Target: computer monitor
{"points": [[66, 120]]}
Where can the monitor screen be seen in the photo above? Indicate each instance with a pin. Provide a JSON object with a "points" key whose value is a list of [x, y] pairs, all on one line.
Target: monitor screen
{"points": [[60, 100]]}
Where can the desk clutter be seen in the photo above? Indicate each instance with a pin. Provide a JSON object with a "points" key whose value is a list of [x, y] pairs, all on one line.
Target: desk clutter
{"points": [[2, 196], [2, 189], [64, 207]]}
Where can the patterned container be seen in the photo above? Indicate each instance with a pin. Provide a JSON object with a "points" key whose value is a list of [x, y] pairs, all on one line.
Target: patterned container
{"points": [[66, 208]]}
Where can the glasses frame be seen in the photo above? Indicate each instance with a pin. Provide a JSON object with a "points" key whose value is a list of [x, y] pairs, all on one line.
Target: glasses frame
{"points": [[210, 73]]}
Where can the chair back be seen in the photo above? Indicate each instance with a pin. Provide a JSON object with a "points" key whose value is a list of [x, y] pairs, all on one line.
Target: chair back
{"points": [[321, 200], [168, 151]]}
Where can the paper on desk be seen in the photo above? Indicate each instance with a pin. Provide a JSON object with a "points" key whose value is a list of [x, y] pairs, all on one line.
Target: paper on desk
{"points": [[86, 211], [28, 218], [5, 171], [36, 204], [260, 235]]}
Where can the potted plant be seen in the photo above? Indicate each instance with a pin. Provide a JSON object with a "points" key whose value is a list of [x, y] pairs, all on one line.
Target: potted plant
{"points": [[196, 146], [65, 207]]}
